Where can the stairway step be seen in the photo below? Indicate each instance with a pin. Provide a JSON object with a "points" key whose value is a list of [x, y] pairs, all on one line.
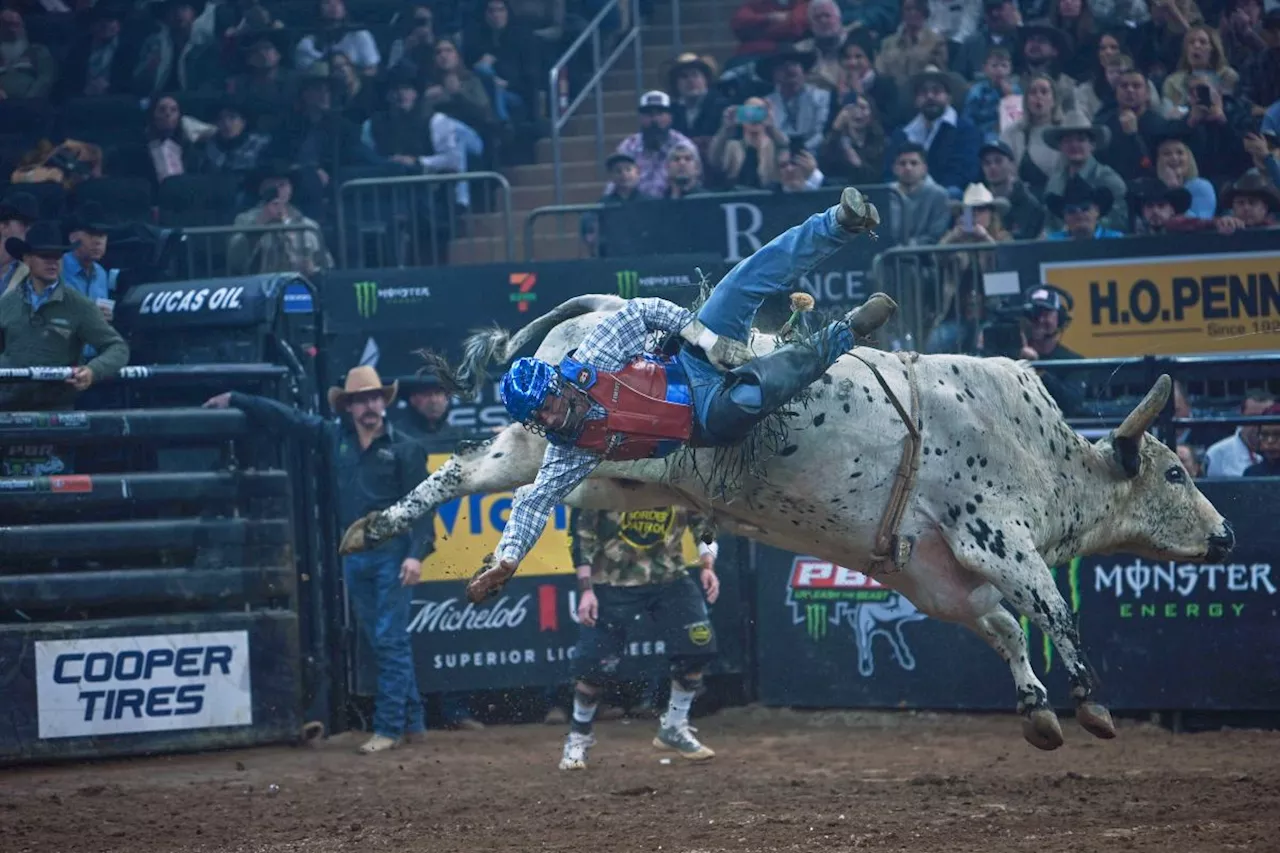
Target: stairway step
{"points": [[573, 149], [527, 198], [616, 125]]}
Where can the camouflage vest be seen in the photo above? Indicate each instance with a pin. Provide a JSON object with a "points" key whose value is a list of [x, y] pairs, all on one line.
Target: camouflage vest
{"points": [[630, 548]]}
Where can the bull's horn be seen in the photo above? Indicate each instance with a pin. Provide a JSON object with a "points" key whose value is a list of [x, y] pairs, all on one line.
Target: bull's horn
{"points": [[1146, 412]]}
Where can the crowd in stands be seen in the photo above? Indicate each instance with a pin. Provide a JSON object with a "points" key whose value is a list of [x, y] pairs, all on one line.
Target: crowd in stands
{"points": [[1052, 119]]}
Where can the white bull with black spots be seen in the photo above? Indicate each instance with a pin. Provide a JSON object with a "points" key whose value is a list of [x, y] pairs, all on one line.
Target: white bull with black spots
{"points": [[1005, 490]]}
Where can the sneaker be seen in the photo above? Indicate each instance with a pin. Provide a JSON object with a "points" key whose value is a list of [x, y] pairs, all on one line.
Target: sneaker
{"points": [[574, 756], [871, 315], [856, 214], [680, 738], [378, 743]]}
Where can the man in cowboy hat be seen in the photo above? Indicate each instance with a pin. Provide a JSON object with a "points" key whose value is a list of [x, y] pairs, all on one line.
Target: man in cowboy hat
{"points": [[46, 323], [1161, 209], [799, 108], [1078, 139], [950, 140], [17, 211], [1080, 206], [695, 108], [371, 466], [1253, 202]]}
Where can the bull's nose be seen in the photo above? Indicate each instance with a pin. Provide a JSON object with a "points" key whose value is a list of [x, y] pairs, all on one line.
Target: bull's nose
{"points": [[1221, 544]]}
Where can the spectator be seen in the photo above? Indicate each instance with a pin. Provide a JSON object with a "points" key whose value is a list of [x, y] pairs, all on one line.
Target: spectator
{"points": [[1036, 159], [1081, 206], [232, 148], [1187, 456], [17, 211], [1097, 92], [1269, 447], [372, 467], [1078, 139], [1162, 37], [31, 308], [1025, 214], [81, 267], [763, 26], [955, 21], [797, 171], [1176, 167], [411, 133], [1260, 74], [982, 103], [1233, 455], [98, 62], [918, 206], [338, 36], [978, 218], [1000, 23], [684, 172], [1074, 18], [623, 188], [1161, 209], [1241, 32], [174, 140], [26, 70], [177, 57], [1044, 49], [977, 221], [353, 93], [1201, 52], [263, 82], [696, 111], [299, 250], [458, 93], [827, 37], [912, 48], [1264, 150], [860, 77], [854, 147], [1215, 129], [799, 108], [505, 57], [415, 49], [950, 140], [1253, 202], [876, 18], [649, 147], [1120, 13], [745, 149], [1134, 127]]}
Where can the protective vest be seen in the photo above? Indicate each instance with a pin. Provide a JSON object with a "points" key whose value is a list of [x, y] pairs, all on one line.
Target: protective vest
{"points": [[648, 407]]}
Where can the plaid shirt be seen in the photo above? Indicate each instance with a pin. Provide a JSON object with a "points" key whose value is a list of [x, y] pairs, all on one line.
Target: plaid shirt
{"points": [[610, 346]]}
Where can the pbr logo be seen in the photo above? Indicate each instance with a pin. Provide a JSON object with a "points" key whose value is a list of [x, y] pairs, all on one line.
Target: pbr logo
{"points": [[822, 595]]}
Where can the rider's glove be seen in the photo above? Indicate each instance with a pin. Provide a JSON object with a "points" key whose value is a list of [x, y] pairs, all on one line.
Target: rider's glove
{"points": [[724, 353]]}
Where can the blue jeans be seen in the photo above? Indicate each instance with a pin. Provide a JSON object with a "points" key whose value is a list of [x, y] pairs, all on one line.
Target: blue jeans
{"points": [[731, 309], [381, 607]]}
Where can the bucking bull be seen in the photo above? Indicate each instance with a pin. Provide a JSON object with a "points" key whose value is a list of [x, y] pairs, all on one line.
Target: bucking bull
{"points": [[952, 479]]}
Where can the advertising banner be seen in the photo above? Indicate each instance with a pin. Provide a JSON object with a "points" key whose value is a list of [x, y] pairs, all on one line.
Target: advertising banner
{"points": [[1159, 634]]}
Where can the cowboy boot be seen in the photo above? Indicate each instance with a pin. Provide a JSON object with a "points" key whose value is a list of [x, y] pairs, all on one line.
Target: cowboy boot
{"points": [[856, 215], [870, 315]]}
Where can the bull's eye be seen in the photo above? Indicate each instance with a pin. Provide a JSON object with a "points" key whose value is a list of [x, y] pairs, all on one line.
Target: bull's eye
{"points": [[1175, 475]]}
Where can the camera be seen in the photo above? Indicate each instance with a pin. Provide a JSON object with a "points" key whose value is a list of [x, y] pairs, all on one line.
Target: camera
{"points": [[1002, 334]]}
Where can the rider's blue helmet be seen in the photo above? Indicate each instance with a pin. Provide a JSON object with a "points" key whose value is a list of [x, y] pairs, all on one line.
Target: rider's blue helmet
{"points": [[525, 387]]}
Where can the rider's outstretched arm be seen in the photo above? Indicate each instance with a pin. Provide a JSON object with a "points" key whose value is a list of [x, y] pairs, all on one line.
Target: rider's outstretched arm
{"points": [[617, 339], [562, 469]]}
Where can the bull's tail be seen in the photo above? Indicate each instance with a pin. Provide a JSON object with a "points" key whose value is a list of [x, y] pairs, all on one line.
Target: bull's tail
{"points": [[496, 345]]}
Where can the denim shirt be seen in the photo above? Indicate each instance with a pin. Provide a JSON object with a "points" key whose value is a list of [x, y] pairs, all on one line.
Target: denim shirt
{"points": [[91, 281]]}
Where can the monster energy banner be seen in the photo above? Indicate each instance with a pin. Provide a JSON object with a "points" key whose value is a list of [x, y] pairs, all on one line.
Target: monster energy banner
{"points": [[738, 224], [1159, 633]]}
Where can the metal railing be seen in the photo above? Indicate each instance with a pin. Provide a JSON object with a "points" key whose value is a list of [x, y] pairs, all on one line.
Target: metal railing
{"points": [[560, 211], [236, 259], [392, 211], [594, 86]]}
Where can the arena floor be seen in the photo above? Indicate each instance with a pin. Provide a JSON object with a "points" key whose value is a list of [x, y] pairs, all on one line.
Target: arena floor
{"points": [[782, 781]]}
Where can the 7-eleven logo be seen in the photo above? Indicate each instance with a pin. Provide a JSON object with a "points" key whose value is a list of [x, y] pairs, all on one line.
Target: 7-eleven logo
{"points": [[525, 282]]}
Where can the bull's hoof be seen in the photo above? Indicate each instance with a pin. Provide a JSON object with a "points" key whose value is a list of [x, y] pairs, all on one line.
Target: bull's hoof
{"points": [[488, 581], [1042, 730], [357, 537], [1096, 720]]}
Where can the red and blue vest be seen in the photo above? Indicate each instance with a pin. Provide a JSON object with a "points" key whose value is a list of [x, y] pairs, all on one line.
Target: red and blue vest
{"points": [[648, 407]]}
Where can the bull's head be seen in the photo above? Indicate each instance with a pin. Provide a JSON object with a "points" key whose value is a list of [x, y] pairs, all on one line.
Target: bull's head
{"points": [[1163, 513]]}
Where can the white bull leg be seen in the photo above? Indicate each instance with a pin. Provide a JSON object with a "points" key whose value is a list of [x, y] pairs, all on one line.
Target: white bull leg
{"points": [[1003, 633], [505, 462]]}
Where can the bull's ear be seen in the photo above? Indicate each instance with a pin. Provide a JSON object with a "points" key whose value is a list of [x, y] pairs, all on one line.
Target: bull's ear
{"points": [[1127, 454]]}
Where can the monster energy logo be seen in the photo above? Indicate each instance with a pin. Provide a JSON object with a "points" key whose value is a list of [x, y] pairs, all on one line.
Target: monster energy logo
{"points": [[628, 283], [1073, 584], [366, 298], [815, 620]]}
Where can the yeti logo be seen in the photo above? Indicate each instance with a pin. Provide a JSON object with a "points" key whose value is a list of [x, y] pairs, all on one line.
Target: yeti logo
{"points": [[822, 594]]}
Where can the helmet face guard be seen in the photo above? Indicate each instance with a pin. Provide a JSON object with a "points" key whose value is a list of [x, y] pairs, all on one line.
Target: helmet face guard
{"points": [[525, 387]]}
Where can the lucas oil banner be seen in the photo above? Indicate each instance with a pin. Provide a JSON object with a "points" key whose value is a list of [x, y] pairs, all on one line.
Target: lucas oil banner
{"points": [[1194, 304]]}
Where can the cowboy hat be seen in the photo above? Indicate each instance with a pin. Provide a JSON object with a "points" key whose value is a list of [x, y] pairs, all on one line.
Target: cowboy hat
{"points": [[361, 380], [21, 206], [1146, 191], [765, 65], [44, 238], [978, 195], [89, 219], [1078, 191], [933, 74], [1043, 27], [424, 380], [1251, 183], [688, 59], [1077, 122]]}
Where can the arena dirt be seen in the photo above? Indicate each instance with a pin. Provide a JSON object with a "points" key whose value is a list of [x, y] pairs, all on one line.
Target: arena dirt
{"points": [[782, 781]]}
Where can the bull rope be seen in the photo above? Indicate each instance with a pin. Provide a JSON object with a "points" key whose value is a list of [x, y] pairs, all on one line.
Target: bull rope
{"points": [[890, 545]]}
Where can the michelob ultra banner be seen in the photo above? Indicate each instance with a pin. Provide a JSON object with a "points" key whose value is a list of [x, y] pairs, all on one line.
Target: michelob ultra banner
{"points": [[469, 527], [1206, 303]]}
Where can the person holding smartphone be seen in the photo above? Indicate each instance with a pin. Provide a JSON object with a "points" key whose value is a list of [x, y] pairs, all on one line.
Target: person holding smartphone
{"points": [[745, 149]]}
